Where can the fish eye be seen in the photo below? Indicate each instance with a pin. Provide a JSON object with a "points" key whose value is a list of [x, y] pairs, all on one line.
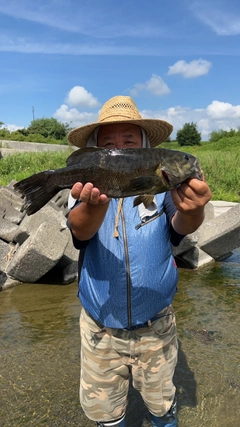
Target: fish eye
{"points": [[186, 157]]}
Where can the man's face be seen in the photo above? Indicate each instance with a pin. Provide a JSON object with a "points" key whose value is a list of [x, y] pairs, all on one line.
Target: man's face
{"points": [[120, 136]]}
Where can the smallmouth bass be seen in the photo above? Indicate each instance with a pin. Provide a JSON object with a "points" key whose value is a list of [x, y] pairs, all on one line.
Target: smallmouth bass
{"points": [[140, 172]]}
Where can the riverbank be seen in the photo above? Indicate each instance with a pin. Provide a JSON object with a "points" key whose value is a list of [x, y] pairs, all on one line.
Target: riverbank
{"points": [[8, 148]]}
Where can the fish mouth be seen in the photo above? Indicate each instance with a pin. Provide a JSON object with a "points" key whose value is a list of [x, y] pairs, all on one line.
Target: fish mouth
{"points": [[198, 171], [165, 177]]}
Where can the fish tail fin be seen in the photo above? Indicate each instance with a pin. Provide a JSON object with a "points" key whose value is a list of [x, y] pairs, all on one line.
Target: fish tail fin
{"points": [[37, 191]]}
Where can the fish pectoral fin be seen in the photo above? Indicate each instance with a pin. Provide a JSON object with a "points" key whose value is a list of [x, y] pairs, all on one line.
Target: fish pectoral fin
{"points": [[74, 157], [145, 199], [142, 183]]}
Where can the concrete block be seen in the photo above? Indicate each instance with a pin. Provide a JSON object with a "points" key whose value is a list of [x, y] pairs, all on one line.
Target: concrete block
{"points": [[71, 254], [9, 196], [31, 223], [5, 249], [38, 254], [220, 206], [70, 273], [222, 234], [61, 198], [7, 230], [7, 282], [191, 240], [196, 258], [7, 211], [186, 244]]}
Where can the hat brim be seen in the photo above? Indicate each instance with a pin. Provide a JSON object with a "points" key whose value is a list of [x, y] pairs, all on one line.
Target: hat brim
{"points": [[157, 131]]}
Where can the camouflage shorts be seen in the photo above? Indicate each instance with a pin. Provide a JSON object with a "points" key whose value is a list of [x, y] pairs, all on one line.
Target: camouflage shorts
{"points": [[109, 357]]}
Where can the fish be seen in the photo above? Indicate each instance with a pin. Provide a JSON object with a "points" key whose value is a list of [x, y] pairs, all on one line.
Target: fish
{"points": [[139, 172]]}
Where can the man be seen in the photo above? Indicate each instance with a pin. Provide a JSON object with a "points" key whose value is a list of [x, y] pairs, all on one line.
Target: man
{"points": [[128, 277]]}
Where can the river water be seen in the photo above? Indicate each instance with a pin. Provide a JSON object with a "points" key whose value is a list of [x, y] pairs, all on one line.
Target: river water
{"points": [[39, 353]]}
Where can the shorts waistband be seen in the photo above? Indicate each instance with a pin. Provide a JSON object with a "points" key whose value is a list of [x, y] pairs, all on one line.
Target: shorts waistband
{"points": [[146, 324]]}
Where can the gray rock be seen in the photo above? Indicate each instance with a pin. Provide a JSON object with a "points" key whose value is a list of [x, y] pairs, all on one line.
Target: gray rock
{"points": [[61, 199], [7, 230], [5, 250], [7, 211], [31, 223], [221, 206], [186, 244], [70, 273], [192, 239], [196, 258], [9, 196], [222, 234], [38, 254], [7, 282], [70, 254]]}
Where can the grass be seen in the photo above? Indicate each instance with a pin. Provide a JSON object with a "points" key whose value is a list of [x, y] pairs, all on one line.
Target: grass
{"points": [[21, 165], [220, 162]]}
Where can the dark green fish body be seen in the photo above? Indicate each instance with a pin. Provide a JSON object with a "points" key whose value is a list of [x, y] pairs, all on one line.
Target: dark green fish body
{"points": [[116, 172]]}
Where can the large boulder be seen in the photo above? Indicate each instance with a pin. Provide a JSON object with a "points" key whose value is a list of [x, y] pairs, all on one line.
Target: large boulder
{"points": [[33, 247], [222, 234], [38, 254]]}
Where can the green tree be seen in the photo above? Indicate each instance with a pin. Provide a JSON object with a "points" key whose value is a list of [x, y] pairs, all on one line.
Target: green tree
{"points": [[217, 135], [16, 136], [48, 128], [188, 135], [4, 134]]}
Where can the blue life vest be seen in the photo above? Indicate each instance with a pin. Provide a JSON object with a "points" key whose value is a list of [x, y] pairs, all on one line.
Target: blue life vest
{"points": [[127, 280]]}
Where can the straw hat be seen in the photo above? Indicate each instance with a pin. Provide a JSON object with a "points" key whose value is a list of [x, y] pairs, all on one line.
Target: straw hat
{"points": [[122, 109]]}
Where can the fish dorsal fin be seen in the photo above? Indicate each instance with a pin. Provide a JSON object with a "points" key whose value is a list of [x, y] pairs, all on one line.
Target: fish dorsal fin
{"points": [[74, 157]]}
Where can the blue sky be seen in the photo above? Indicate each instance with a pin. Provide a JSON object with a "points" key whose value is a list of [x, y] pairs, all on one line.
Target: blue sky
{"points": [[178, 59]]}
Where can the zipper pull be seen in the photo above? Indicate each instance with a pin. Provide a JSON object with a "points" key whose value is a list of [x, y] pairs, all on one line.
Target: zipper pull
{"points": [[149, 220]]}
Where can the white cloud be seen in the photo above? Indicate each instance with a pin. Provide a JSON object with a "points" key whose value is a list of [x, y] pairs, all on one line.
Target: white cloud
{"points": [[155, 85], [79, 96], [195, 68], [82, 18], [217, 115], [44, 13], [222, 110], [219, 15], [29, 45], [10, 127], [74, 117]]}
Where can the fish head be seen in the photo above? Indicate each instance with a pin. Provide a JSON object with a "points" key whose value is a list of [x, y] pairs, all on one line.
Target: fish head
{"points": [[177, 167]]}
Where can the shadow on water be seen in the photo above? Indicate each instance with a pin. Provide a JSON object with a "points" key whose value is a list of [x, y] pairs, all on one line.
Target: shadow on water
{"points": [[40, 353]]}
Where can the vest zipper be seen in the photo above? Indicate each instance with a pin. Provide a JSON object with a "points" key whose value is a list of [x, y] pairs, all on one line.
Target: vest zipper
{"points": [[149, 220], [127, 269]]}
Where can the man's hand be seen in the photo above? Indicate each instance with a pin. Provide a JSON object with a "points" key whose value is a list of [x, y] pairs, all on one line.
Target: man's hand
{"points": [[86, 218], [191, 196], [189, 199], [88, 194]]}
